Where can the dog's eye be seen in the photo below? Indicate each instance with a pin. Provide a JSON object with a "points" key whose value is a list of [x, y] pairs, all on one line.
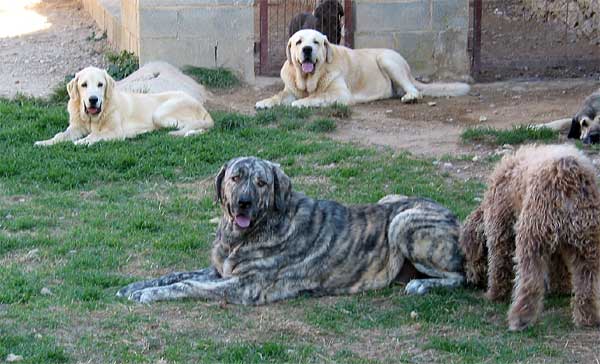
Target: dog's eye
{"points": [[84, 85], [100, 84], [298, 42], [316, 42], [261, 183], [235, 179]]}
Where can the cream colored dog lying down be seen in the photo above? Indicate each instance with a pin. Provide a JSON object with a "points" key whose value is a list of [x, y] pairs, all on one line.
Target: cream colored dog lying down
{"points": [[317, 73], [98, 111]]}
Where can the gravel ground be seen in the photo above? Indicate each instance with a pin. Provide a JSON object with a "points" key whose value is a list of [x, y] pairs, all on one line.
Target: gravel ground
{"points": [[41, 42]]}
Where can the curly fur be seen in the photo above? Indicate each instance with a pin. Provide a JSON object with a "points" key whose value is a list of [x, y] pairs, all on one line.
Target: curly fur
{"points": [[542, 208]]}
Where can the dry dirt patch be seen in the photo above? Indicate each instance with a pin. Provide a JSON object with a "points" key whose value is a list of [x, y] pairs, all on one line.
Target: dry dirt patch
{"points": [[435, 131]]}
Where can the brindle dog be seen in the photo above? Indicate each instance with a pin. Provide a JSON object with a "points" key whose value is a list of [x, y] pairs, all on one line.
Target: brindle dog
{"points": [[273, 244]]}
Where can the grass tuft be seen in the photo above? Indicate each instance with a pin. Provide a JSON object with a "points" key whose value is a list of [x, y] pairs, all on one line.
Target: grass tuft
{"points": [[336, 111], [321, 125], [517, 135], [215, 78]]}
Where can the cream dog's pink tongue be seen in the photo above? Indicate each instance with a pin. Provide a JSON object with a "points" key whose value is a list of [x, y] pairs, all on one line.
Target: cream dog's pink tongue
{"points": [[308, 67], [242, 221]]}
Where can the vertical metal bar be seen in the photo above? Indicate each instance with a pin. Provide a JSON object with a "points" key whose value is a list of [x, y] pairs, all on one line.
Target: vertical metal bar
{"points": [[348, 24], [476, 60], [264, 36]]}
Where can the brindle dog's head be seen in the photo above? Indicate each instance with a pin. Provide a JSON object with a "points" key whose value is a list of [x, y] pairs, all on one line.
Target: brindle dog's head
{"points": [[250, 190]]}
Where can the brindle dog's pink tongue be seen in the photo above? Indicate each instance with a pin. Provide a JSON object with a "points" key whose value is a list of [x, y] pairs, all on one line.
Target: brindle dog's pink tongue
{"points": [[307, 67], [242, 221]]}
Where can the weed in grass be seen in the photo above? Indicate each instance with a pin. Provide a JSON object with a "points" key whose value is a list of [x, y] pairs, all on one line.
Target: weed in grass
{"points": [[336, 111], [291, 124], [122, 64], [517, 135], [215, 78], [321, 125]]}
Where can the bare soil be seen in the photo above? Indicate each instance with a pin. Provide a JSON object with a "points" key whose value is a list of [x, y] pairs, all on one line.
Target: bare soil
{"points": [[34, 59]]}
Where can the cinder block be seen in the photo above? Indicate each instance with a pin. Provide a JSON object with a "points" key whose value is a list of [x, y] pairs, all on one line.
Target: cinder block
{"points": [[199, 52], [158, 23], [392, 16], [450, 53], [450, 14], [193, 3], [219, 23]]}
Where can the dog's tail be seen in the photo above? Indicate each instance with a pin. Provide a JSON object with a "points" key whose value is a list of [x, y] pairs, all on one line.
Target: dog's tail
{"points": [[472, 242], [443, 89]]}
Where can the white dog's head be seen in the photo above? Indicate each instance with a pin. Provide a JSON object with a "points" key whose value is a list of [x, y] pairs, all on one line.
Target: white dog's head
{"points": [[90, 91], [308, 50]]}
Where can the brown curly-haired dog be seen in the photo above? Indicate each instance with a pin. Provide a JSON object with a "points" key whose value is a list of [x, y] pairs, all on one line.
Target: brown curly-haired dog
{"points": [[541, 209]]}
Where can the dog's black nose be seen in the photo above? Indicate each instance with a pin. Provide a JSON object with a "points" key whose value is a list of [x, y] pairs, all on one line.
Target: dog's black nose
{"points": [[307, 50], [93, 100], [245, 202]]}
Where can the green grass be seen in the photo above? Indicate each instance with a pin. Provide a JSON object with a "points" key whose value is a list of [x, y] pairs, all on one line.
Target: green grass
{"points": [[215, 78], [517, 135], [84, 221]]}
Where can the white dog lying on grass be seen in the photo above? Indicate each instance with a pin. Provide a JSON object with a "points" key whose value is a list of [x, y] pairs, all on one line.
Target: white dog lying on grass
{"points": [[99, 111]]}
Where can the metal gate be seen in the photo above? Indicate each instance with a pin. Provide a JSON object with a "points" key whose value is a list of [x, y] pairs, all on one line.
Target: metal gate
{"points": [[274, 19], [509, 40]]}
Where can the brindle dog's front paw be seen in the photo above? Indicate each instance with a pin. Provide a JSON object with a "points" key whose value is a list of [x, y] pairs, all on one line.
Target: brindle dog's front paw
{"points": [[130, 288], [417, 286], [136, 296]]}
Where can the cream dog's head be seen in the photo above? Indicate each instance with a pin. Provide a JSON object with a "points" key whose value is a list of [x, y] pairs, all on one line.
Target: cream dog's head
{"points": [[90, 91], [308, 50]]}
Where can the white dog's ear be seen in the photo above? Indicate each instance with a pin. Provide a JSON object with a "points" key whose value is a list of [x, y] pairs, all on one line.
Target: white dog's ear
{"points": [[328, 51], [288, 51], [72, 89], [110, 84]]}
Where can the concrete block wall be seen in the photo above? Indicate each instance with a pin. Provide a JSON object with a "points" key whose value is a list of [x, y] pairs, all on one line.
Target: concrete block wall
{"points": [[208, 33], [431, 34]]}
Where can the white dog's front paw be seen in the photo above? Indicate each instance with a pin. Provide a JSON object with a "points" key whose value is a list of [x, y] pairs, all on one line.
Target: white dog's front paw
{"points": [[264, 104], [411, 97], [43, 143], [86, 141], [416, 287], [307, 103]]}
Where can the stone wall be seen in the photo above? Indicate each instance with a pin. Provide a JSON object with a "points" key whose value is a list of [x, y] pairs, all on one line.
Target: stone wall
{"points": [[582, 16], [431, 34]]}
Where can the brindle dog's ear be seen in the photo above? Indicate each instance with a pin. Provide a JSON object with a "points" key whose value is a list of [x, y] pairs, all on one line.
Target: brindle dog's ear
{"points": [[340, 9], [575, 131], [282, 187], [219, 183]]}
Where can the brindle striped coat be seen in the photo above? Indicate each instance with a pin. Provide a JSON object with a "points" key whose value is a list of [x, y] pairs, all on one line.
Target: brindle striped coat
{"points": [[274, 244]]}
